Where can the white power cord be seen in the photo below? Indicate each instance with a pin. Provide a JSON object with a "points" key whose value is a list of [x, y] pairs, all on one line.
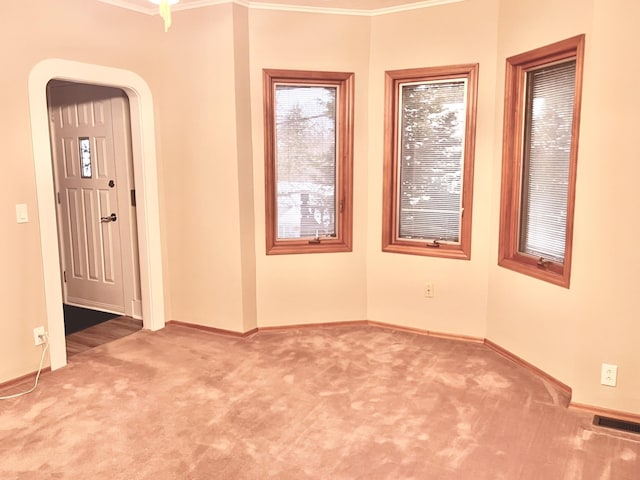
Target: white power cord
{"points": [[45, 346]]}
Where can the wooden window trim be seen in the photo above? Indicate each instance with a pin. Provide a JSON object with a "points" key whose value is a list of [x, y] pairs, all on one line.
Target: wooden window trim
{"points": [[512, 159], [390, 239], [344, 160]]}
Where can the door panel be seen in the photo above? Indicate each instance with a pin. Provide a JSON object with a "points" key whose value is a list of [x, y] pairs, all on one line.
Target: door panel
{"points": [[73, 221], [84, 160]]}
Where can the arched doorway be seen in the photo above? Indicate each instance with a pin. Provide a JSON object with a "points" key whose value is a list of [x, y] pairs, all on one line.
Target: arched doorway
{"points": [[145, 170]]}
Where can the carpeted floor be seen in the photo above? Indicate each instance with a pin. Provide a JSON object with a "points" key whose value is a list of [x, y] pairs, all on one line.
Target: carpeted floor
{"points": [[326, 403]]}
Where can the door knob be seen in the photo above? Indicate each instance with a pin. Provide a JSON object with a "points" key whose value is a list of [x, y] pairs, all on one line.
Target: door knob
{"points": [[111, 218]]}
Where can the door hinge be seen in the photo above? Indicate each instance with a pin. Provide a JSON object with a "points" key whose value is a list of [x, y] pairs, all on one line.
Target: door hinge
{"points": [[64, 275], [133, 198], [59, 202], [341, 206]]}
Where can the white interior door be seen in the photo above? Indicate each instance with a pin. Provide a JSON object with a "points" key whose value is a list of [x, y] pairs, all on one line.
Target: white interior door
{"points": [[90, 219]]}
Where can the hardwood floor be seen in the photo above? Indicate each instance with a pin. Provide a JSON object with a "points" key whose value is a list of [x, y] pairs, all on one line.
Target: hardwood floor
{"points": [[100, 334]]}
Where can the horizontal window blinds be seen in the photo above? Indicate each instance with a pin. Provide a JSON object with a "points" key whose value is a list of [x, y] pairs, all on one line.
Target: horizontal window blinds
{"points": [[431, 155], [547, 151]]}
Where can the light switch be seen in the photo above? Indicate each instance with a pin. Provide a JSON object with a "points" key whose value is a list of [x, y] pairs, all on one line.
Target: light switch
{"points": [[22, 215]]}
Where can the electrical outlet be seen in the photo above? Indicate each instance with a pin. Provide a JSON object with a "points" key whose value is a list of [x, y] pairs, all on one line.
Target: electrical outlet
{"points": [[609, 375], [38, 335], [428, 290]]}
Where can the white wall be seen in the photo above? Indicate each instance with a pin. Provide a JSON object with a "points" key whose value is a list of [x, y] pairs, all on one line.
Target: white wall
{"points": [[438, 36], [206, 80], [310, 288], [569, 333]]}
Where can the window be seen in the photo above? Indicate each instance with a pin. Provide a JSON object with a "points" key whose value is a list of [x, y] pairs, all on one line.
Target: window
{"points": [[540, 151], [85, 157], [430, 121], [308, 161]]}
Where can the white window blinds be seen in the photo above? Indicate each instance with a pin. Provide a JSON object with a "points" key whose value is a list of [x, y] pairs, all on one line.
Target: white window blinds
{"points": [[546, 160], [431, 129], [305, 128]]}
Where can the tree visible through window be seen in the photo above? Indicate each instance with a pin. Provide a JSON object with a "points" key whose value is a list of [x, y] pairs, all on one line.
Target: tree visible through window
{"points": [[308, 161], [429, 147], [541, 125], [431, 152]]}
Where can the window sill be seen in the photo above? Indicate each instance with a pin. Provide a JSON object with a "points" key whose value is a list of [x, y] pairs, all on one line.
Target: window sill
{"points": [[554, 273], [443, 251], [304, 246]]}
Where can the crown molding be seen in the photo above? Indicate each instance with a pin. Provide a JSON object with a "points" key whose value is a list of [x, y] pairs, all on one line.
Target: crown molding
{"points": [[153, 10], [410, 6], [343, 11]]}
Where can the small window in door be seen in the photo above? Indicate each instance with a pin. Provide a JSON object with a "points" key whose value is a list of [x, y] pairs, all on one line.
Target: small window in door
{"points": [[85, 157]]}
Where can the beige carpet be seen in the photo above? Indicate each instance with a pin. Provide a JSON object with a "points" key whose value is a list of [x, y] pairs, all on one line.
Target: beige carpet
{"points": [[325, 403]]}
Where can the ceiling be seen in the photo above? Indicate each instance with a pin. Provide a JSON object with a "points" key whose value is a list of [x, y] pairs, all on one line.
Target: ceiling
{"points": [[352, 7]]}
